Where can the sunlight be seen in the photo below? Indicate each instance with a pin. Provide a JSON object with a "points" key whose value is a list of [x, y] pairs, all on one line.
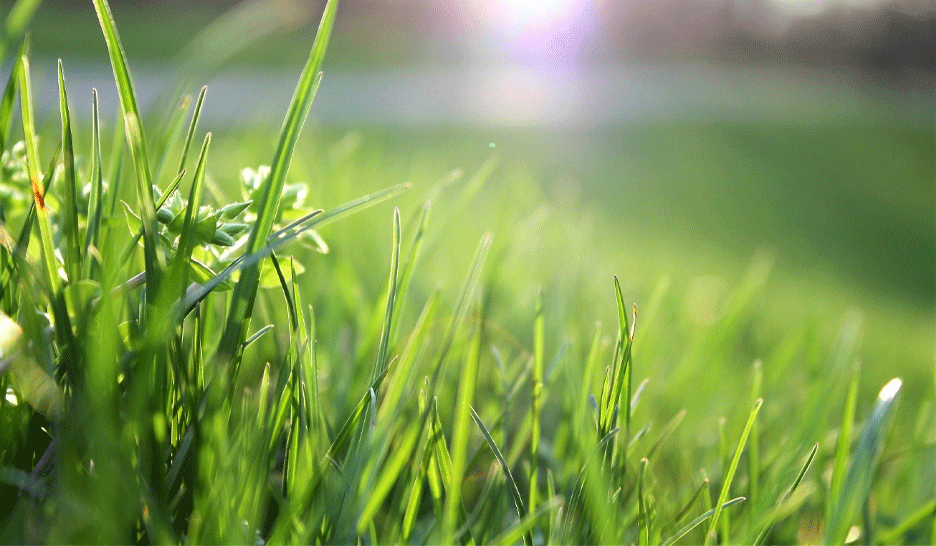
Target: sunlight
{"points": [[535, 26]]}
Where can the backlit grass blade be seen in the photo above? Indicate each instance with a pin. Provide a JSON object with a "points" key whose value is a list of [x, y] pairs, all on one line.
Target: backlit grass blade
{"points": [[246, 289], [461, 431], [96, 199], [190, 135], [511, 483], [857, 485], [382, 349], [69, 228], [9, 95], [799, 478], [135, 139], [17, 20], [170, 135], [539, 341], [729, 476], [288, 234], [388, 478], [52, 280], [187, 237], [696, 522], [461, 306], [843, 445]]}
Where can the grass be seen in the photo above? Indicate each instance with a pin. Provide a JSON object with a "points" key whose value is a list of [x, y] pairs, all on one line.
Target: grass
{"points": [[260, 359]]}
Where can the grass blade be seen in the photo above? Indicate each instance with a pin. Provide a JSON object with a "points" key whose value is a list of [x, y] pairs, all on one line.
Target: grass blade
{"points": [[799, 477], [857, 485], [95, 201], [17, 20], [153, 260], [539, 339], [246, 289], [70, 206], [9, 95], [511, 483], [381, 362], [729, 476], [695, 523]]}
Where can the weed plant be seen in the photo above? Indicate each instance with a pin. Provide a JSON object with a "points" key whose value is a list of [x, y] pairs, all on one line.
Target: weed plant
{"points": [[183, 381]]}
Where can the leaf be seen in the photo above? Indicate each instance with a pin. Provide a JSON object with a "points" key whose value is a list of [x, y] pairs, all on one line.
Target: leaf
{"points": [[245, 290]]}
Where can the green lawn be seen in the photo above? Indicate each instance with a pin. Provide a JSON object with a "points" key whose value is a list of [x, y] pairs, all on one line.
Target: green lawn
{"points": [[437, 375]]}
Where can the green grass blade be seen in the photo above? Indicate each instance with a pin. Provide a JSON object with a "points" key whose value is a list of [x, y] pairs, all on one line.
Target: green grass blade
{"points": [[461, 306], [918, 516], [187, 237], [843, 445], [799, 477], [52, 280], [388, 478], [729, 476], [9, 95], [461, 432], [246, 289], [511, 483], [524, 527], [696, 522], [539, 341], [170, 135], [857, 485], [154, 262], [17, 20], [383, 347], [70, 205], [190, 135], [96, 199]]}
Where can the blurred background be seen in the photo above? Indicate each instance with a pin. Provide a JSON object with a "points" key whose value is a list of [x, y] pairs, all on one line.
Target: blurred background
{"points": [[678, 139]]}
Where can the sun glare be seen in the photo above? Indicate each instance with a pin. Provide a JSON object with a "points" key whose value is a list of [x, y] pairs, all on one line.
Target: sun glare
{"points": [[542, 27]]}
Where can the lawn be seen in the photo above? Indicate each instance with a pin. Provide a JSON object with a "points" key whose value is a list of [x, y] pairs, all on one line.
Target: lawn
{"points": [[659, 332]]}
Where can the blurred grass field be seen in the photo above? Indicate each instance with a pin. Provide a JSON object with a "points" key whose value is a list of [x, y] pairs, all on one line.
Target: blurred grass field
{"points": [[765, 260]]}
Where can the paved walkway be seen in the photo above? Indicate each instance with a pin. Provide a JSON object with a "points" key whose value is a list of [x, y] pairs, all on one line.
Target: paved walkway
{"points": [[513, 96]]}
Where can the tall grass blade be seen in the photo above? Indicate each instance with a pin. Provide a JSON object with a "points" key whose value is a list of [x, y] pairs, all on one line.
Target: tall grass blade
{"points": [[96, 199], [153, 260], [392, 287], [511, 482], [843, 445], [729, 476], [190, 135], [70, 206], [799, 478], [9, 95], [52, 278], [246, 289], [539, 340], [857, 485]]}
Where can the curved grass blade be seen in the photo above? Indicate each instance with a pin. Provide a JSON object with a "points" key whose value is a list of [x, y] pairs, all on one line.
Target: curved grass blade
{"points": [[285, 236], [246, 289], [9, 95], [729, 476], [857, 485], [695, 523], [70, 205], [512, 484], [799, 477], [153, 259], [894, 535]]}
